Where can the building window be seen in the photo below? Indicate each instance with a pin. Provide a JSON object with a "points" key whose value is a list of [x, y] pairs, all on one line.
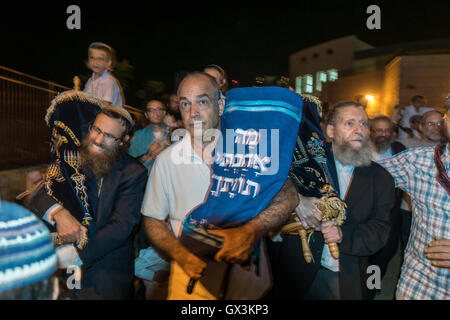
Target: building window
{"points": [[321, 76], [299, 84], [332, 75], [308, 83], [330, 51]]}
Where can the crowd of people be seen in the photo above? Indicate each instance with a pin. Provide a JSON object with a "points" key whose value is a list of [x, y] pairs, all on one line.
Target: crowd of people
{"points": [[133, 190]]}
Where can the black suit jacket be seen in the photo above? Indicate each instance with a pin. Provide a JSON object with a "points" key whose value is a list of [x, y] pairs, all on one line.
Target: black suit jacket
{"points": [[397, 147], [108, 258], [369, 200]]}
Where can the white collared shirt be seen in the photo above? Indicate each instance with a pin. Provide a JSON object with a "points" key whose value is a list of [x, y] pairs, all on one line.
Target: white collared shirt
{"points": [[105, 88], [166, 194]]}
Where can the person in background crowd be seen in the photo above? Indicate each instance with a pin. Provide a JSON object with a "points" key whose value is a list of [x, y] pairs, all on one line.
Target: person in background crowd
{"points": [[431, 125], [148, 142], [398, 113], [424, 174], [102, 84], [430, 129], [413, 139], [416, 107], [220, 75], [173, 116]]}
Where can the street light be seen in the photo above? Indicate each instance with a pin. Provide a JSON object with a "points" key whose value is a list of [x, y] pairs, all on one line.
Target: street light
{"points": [[369, 97]]}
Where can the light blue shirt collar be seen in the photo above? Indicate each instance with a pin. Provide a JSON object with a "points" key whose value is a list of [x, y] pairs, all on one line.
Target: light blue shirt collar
{"points": [[344, 174]]}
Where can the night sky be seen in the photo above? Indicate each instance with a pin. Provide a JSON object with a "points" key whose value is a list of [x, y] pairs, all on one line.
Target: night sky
{"points": [[245, 38]]}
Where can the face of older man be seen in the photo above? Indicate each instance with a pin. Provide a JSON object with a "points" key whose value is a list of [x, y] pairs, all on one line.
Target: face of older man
{"points": [[349, 134], [381, 135], [431, 127], [351, 127], [199, 106]]}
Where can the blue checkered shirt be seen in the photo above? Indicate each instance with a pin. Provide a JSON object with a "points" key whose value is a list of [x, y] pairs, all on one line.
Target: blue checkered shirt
{"points": [[414, 171]]}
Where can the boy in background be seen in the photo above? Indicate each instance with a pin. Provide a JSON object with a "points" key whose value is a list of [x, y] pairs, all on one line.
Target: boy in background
{"points": [[102, 84]]}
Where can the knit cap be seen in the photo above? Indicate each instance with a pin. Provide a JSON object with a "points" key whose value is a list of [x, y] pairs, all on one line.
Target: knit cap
{"points": [[27, 254]]}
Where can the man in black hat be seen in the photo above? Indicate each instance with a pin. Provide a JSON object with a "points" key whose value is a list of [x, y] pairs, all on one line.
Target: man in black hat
{"points": [[114, 186]]}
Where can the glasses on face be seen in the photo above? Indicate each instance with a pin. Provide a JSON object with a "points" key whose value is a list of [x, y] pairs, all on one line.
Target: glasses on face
{"points": [[433, 124], [108, 137], [380, 131], [156, 110]]}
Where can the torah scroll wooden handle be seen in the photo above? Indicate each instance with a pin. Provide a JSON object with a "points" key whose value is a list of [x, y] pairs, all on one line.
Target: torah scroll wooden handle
{"points": [[334, 250], [305, 245]]}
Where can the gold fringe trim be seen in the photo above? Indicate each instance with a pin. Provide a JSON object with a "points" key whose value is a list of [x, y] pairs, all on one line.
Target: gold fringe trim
{"points": [[71, 95], [314, 100]]}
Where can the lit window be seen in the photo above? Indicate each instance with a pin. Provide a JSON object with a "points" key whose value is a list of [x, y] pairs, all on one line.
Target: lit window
{"points": [[308, 83], [332, 75], [298, 84], [321, 76]]}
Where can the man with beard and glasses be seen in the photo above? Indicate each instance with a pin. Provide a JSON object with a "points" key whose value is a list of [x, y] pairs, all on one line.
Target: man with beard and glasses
{"points": [[381, 133], [115, 189], [430, 127], [368, 191], [424, 174]]}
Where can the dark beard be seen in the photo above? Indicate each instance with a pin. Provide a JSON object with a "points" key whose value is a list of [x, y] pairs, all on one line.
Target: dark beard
{"points": [[99, 165], [358, 158], [382, 145]]}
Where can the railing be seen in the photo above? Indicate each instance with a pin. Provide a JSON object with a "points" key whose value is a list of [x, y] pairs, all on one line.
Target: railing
{"points": [[24, 100]]}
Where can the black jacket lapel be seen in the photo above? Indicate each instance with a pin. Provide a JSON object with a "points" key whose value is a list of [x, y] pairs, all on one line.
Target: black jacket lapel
{"points": [[358, 186], [108, 190]]}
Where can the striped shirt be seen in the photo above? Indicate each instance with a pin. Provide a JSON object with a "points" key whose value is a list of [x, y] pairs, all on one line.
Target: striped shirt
{"points": [[414, 171]]}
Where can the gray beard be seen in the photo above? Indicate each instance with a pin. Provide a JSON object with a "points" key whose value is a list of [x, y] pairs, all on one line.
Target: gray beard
{"points": [[357, 158]]}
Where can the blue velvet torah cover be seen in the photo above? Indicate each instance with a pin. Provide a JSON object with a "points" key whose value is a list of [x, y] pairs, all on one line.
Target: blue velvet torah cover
{"points": [[259, 128]]}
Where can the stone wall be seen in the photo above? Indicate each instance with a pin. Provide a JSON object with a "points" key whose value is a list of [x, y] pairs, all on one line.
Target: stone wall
{"points": [[14, 182]]}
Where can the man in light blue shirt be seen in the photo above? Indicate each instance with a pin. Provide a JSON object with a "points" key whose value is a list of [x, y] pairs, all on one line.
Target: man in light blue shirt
{"points": [[148, 142]]}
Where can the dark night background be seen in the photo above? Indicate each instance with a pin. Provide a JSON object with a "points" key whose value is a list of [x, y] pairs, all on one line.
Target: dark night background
{"points": [[245, 38]]}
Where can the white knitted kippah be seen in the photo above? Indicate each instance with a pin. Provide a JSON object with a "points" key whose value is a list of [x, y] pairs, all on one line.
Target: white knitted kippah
{"points": [[27, 254]]}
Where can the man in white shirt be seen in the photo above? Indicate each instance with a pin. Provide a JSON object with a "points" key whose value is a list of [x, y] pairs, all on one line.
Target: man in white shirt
{"points": [[179, 182], [416, 107]]}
